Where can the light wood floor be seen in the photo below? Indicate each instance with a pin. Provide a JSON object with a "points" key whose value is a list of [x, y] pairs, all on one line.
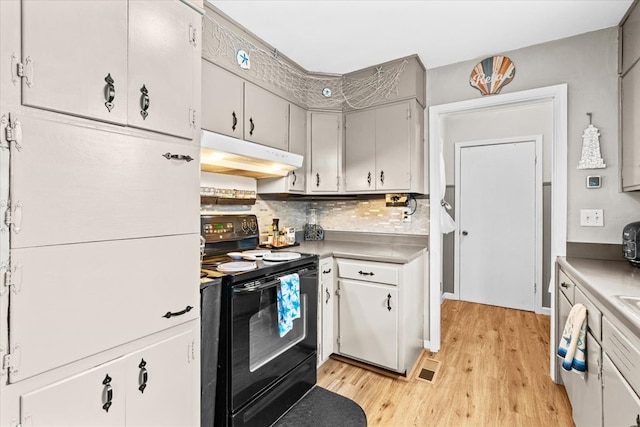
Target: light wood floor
{"points": [[494, 371]]}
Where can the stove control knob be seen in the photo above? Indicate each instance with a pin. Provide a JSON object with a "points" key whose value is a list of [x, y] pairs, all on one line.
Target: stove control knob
{"points": [[254, 226], [245, 226]]}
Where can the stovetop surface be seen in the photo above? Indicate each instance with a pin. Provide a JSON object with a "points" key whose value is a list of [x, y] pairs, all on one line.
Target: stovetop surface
{"points": [[263, 268]]}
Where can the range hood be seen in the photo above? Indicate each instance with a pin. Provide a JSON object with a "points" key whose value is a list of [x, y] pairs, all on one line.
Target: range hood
{"points": [[224, 154]]}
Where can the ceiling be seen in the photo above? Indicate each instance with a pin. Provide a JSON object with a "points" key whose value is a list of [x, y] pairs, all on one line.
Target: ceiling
{"points": [[340, 36]]}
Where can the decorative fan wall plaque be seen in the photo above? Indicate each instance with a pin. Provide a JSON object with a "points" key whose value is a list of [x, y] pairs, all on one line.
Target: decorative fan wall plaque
{"points": [[491, 74]]}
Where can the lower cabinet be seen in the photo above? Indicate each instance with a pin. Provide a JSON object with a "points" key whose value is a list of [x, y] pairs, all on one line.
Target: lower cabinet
{"points": [[621, 404], [326, 310], [150, 387], [380, 312]]}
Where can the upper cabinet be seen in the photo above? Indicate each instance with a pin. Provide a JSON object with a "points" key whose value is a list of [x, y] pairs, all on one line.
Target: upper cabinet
{"points": [[123, 62], [222, 101], [384, 149], [325, 133], [630, 99], [237, 108]]}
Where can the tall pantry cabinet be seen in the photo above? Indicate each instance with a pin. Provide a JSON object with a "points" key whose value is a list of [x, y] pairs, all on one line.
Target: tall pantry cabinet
{"points": [[99, 189]]}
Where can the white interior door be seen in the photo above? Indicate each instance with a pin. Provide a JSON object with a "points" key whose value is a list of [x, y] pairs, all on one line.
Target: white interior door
{"points": [[496, 207]]}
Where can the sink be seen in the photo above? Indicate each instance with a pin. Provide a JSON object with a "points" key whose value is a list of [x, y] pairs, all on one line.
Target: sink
{"points": [[631, 302]]}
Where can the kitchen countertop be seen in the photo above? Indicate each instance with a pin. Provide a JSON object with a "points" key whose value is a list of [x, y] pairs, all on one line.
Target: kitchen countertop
{"points": [[604, 280], [397, 253]]}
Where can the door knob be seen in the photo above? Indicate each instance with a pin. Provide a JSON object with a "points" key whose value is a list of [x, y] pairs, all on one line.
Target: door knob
{"points": [[465, 232]]}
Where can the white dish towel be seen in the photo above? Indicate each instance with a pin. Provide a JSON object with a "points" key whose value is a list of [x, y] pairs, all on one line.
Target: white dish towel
{"points": [[573, 344]]}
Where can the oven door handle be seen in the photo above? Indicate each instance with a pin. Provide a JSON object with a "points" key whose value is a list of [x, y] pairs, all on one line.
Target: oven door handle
{"points": [[257, 288]]}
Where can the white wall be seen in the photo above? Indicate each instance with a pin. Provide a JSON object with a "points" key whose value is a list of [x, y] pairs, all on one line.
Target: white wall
{"points": [[588, 64]]}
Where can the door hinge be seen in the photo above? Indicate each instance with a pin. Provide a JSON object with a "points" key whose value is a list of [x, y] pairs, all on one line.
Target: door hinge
{"points": [[193, 35], [10, 277], [192, 117], [535, 288], [338, 292], [12, 132], [408, 113], [192, 351], [13, 217], [338, 341], [21, 70], [10, 361]]}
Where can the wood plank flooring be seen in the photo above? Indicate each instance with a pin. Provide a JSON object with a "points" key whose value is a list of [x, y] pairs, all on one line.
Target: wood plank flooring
{"points": [[494, 371]]}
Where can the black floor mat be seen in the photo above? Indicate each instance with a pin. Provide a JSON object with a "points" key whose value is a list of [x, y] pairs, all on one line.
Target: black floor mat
{"points": [[320, 408]]}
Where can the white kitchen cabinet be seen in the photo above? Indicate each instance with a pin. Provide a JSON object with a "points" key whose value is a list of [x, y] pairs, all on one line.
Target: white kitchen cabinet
{"points": [[384, 149], [94, 59], [369, 315], [378, 304], [163, 37], [295, 181], [266, 118], [150, 387], [222, 101], [630, 108], [84, 200], [326, 293], [324, 175], [621, 404]]}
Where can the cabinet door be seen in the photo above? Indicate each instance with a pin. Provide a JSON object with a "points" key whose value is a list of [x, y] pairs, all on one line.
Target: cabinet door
{"points": [[393, 166], [360, 151], [621, 405], [161, 66], [222, 101], [325, 138], [69, 50], [266, 118], [161, 383], [112, 185], [585, 393], [95, 296], [298, 145], [631, 129], [368, 316], [79, 400], [327, 301]]}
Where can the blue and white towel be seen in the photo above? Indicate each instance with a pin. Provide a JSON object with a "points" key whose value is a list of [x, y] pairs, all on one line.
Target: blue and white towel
{"points": [[288, 295], [573, 344]]}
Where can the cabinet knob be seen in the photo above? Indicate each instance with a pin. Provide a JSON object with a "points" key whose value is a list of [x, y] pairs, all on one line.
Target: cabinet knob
{"points": [[369, 179], [184, 157], [381, 177], [169, 314], [389, 302], [144, 102], [143, 376], [234, 121], [295, 178], [317, 180], [328, 295], [326, 271], [252, 126], [109, 92], [365, 273], [465, 233], [564, 285]]}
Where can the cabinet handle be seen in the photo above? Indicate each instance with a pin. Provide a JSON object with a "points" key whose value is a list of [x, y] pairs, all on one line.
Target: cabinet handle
{"points": [[328, 295], [317, 180], [144, 102], [295, 178], [107, 393], [234, 121], [178, 313], [109, 92], [143, 376], [369, 179], [326, 271], [389, 302], [252, 126], [564, 285], [170, 156], [364, 273], [382, 177]]}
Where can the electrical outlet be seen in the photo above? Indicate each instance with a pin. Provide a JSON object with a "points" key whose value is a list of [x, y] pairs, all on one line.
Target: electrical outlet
{"points": [[592, 217], [405, 216]]}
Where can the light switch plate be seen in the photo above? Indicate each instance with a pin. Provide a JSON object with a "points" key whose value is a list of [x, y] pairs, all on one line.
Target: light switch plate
{"points": [[592, 217]]}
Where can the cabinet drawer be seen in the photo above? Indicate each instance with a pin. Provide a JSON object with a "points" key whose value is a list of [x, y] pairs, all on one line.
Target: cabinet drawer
{"points": [[567, 286], [369, 271], [326, 269], [594, 316], [85, 303], [623, 354]]}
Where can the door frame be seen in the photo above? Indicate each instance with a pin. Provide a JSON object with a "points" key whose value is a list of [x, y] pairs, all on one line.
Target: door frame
{"points": [[537, 140], [558, 95]]}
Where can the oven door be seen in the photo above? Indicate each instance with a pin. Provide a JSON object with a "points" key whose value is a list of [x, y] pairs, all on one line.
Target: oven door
{"points": [[260, 357]]}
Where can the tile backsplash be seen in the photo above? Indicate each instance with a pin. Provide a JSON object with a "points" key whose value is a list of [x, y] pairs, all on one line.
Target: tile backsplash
{"points": [[361, 215]]}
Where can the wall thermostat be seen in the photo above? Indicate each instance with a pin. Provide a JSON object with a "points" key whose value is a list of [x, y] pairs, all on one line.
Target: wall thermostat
{"points": [[593, 181]]}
